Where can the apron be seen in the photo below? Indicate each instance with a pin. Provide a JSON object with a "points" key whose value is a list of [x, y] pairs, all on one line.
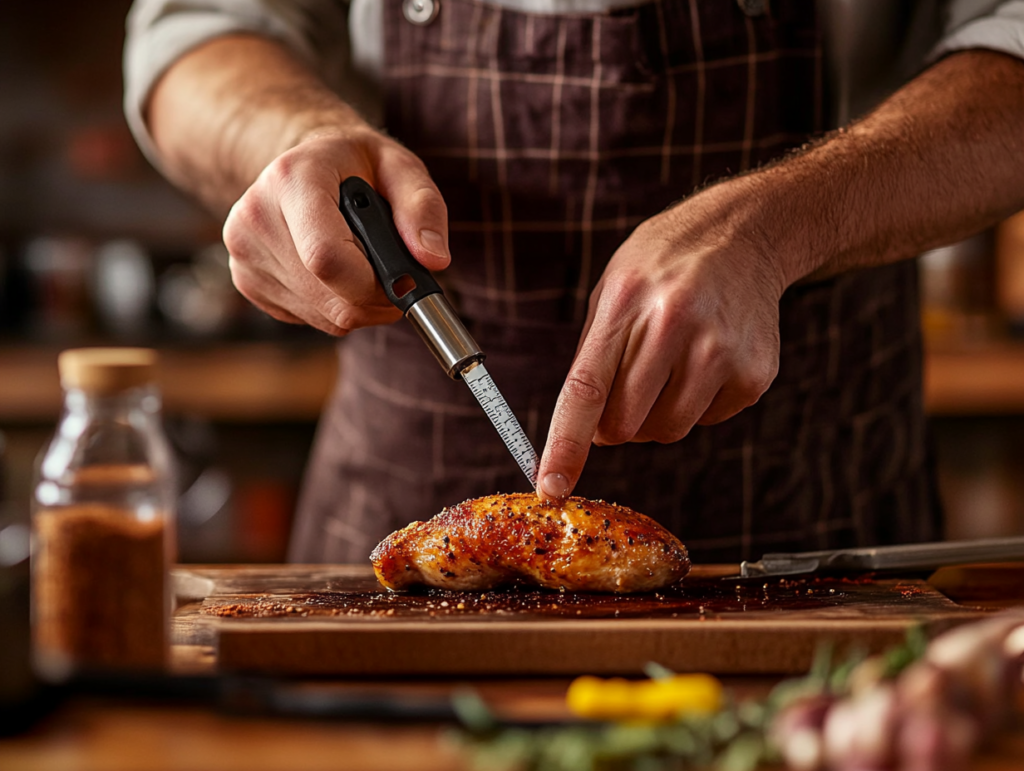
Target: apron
{"points": [[551, 137]]}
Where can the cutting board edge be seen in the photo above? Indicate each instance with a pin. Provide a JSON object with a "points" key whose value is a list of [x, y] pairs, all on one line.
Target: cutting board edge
{"points": [[298, 626], [514, 650]]}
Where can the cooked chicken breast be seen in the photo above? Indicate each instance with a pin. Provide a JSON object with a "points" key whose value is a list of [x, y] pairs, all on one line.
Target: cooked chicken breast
{"points": [[581, 545]]}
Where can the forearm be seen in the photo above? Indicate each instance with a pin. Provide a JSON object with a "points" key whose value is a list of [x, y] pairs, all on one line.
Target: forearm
{"points": [[683, 327], [227, 109], [244, 126], [941, 159]]}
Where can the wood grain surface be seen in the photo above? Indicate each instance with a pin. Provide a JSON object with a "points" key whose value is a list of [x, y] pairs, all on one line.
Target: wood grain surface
{"points": [[749, 638]]}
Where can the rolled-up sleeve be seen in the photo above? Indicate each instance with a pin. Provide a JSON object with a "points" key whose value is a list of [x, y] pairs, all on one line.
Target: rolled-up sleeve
{"points": [[996, 26], [161, 31]]}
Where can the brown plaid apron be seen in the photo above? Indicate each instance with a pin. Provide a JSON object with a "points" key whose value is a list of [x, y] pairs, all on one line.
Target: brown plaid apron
{"points": [[551, 137]]}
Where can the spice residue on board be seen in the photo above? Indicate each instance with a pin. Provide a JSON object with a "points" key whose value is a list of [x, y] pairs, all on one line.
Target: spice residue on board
{"points": [[693, 598]]}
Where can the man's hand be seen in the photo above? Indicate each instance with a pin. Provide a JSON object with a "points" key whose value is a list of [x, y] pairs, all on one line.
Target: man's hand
{"points": [[292, 253], [683, 328], [243, 125]]}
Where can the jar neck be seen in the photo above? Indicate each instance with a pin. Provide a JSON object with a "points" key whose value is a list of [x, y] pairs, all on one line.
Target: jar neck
{"points": [[144, 399]]}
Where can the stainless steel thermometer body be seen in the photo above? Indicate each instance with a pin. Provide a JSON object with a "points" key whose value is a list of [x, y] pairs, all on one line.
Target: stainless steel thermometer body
{"points": [[425, 306]]}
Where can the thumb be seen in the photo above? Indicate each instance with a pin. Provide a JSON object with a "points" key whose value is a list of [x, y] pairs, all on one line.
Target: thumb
{"points": [[420, 213]]}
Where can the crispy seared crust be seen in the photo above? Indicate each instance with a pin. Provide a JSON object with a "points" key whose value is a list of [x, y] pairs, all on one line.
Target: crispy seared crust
{"points": [[581, 545]]}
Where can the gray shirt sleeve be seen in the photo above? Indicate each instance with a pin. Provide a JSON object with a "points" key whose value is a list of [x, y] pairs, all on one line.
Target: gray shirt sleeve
{"points": [[161, 31], [989, 24]]}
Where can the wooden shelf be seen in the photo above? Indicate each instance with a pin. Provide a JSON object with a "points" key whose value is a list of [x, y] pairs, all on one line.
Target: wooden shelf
{"points": [[981, 379], [242, 382], [269, 382]]}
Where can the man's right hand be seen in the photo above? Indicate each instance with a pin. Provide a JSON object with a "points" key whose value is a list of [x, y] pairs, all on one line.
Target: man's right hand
{"points": [[292, 253], [241, 123]]}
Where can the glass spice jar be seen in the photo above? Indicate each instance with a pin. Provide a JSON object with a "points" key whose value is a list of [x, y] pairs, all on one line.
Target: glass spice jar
{"points": [[103, 515]]}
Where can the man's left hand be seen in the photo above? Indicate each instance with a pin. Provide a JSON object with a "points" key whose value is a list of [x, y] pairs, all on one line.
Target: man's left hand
{"points": [[683, 326], [682, 329]]}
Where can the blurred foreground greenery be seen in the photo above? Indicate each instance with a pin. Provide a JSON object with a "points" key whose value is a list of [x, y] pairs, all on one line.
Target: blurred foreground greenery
{"points": [[735, 738]]}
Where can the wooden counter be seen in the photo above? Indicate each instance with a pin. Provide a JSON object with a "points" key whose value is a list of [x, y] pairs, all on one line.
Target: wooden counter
{"points": [[119, 737], [139, 736], [146, 737]]}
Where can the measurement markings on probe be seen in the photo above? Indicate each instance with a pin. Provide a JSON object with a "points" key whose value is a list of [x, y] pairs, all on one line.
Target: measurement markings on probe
{"points": [[503, 419]]}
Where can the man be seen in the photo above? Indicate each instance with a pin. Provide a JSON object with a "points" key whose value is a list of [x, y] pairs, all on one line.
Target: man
{"points": [[543, 143]]}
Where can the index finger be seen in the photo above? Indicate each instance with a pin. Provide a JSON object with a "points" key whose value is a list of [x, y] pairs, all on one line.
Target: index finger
{"points": [[578, 411]]}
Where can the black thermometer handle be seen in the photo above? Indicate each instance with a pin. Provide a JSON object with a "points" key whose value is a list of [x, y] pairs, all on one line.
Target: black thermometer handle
{"points": [[369, 216], [407, 283]]}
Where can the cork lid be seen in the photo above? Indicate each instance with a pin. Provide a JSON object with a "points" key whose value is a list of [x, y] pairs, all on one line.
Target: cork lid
{"points": [[107, 370]]}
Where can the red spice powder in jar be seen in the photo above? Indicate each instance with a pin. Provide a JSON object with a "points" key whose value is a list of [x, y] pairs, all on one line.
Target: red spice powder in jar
{"points": [[99, 589]]}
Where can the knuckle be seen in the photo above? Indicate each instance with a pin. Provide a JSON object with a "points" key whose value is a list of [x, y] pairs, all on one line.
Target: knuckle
{"points": [[402, 169], [332, 329], [672, 427], [718, 415], [253, 289], [616, 433], [585, 387], [279, 314], [754, 385], [247, 217], [724, 410], [682, 300], [666, 433], [340, 314], [283, 170], [676, 314], [249, 291], [244, 281], [326, 326], [762, 377], [430, 203], [751, 383], [249, 283], [712, 351], [619, 425], [618, 290], [321, 259]]}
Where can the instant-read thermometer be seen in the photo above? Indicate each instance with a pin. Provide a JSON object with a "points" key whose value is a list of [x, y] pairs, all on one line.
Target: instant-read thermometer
{"points": [[415, 292]]}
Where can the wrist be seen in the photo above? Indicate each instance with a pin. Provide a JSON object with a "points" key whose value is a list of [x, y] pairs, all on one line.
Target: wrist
{"points": [[743, 212], [785, 214], [338, 122]]}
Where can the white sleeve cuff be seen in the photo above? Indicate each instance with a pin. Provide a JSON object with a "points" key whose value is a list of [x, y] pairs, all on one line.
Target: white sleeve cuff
{"points": [[1001, 31]]}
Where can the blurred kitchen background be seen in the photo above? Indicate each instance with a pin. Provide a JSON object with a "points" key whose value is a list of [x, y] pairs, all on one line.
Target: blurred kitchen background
{"points": [[95, 248]]}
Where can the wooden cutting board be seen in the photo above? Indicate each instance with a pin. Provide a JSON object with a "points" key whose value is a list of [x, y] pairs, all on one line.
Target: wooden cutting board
{"points": [[337, 620]]}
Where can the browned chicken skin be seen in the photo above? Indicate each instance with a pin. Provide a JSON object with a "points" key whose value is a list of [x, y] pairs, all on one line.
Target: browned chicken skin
{"points": [[581, 545]]}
